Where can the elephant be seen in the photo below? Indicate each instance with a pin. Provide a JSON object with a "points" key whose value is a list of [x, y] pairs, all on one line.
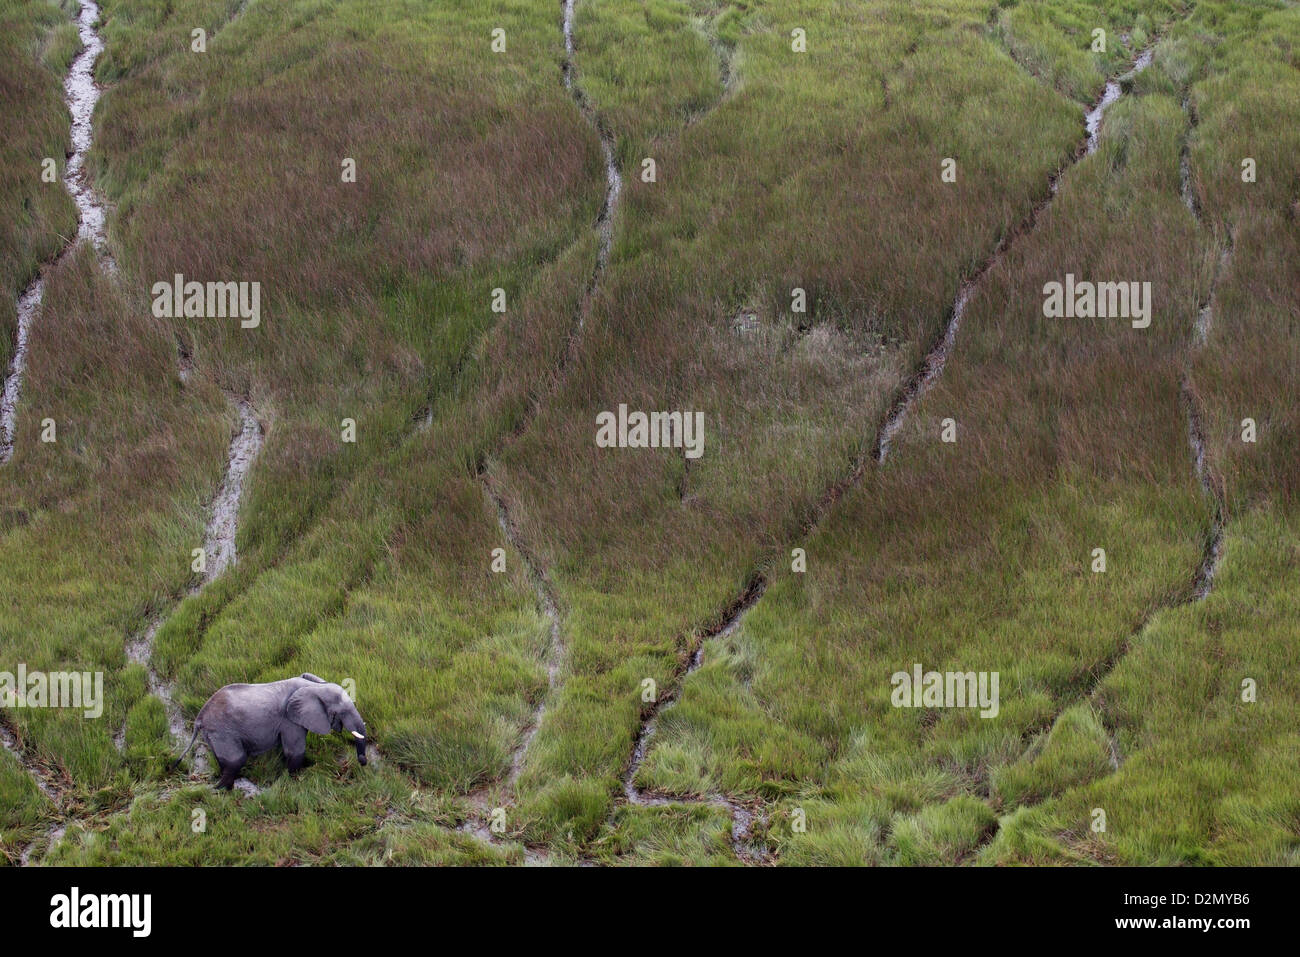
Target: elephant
{"points": [[243, 720]]}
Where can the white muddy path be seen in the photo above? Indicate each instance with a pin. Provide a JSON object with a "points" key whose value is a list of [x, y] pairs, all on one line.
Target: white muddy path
{"points": [[219, 554], [81, 93], [613, 181], [1114, 90]]}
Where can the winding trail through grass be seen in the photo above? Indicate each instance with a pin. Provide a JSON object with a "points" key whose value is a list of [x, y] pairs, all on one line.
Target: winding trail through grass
{"points": [[932, 366], [742, 815], [916, 386], [1211, 485], [219, 554], [727, 73], [1203, 577], [218, 542], [55, 787], [81, 93], [1113, 91], [613, 180], [547, 601], [546, 596]]}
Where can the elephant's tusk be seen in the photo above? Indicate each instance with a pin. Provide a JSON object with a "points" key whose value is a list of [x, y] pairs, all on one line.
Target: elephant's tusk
{"points": [[359, 737]]}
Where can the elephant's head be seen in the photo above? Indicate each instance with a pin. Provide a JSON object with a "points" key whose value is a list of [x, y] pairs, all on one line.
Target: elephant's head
{"points": [[325, 707]]}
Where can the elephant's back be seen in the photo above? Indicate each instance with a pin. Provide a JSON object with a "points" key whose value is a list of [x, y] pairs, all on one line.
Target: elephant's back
{"points": [[242, 704], [220, 702]]}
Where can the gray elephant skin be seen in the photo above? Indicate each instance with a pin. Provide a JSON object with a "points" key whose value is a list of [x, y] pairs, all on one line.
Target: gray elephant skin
{"points": [[244, 720]]}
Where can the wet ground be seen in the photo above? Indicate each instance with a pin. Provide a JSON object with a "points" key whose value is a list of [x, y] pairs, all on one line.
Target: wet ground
{"points": [[81, 93]]}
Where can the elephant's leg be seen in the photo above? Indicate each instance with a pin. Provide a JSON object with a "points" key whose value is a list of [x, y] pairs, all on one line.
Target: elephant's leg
{"points": [[230, 755], [293, 741], [228, 775]]}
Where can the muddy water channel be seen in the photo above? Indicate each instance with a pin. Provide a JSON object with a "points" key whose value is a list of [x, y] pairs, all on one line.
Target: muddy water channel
{"points": [[742, 816], [1114, 90], [219, 554], [48, 785], [932, 365], [613, 181], [549, 607], [81, 93], [1204, 580]]}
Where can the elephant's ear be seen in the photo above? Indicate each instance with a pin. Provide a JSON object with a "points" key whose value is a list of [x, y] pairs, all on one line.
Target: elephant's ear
{"points": [[305, 708]]}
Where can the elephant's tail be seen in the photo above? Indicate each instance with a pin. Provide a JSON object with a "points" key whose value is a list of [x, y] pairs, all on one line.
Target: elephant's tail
{"points": [[194, 737]]}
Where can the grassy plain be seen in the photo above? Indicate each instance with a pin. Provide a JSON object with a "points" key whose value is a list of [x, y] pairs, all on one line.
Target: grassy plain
{"points": [[775, 170]]}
